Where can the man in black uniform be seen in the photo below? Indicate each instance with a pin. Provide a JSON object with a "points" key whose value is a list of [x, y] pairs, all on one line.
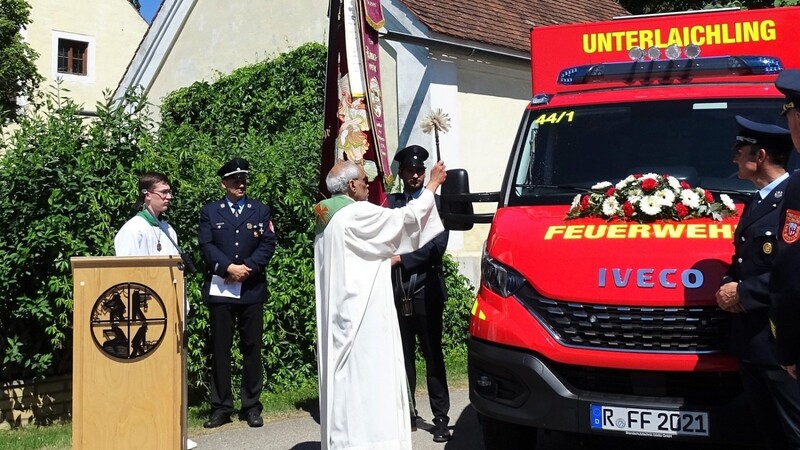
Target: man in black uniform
{"points": [[237, 242], [761, 152], [785, 279], [420, 295]]}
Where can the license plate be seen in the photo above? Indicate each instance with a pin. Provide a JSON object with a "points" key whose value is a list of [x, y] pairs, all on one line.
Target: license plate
{"points": [[648, 422]]}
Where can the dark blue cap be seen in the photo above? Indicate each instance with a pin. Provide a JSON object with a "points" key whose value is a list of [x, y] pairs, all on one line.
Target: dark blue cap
{"points": [[766, 135], [412, 156], [233, 167], [788, 83]]}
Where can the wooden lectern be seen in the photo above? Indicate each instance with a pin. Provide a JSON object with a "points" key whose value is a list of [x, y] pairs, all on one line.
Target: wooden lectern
{"points": [[129, 388]]}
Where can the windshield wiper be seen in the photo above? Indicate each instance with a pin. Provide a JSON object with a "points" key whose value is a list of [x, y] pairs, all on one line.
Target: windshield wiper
{"points": [[560, 187]]}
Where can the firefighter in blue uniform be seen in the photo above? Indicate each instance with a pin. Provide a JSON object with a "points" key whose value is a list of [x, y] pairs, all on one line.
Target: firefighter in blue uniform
{"points": [[785, 280], [420, 295], [237, 242], [761, 153]]}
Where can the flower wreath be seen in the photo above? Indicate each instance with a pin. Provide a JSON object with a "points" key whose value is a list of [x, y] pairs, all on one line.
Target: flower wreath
{"points": [[650, 197]]}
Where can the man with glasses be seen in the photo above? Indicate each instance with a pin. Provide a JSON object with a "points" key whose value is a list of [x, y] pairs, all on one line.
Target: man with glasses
{"points": [[363, 391], [237, 242], [145, 233], [420, 295], [761, 153]]}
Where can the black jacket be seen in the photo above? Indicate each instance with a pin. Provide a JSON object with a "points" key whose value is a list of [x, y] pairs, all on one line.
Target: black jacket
{"points": [[226, 239], [784, 286], [755, 243], [425, 262]]}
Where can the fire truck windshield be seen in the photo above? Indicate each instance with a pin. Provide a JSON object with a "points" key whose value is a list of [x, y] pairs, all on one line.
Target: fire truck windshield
{"points": [[570, 150]]}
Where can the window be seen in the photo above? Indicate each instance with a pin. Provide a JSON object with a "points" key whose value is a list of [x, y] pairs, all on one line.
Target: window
{"points": [[72, 57]]}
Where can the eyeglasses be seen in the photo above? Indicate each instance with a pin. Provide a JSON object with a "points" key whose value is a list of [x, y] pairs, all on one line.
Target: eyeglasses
{"points": [[787, 107], [164, 193], [415, 170]]}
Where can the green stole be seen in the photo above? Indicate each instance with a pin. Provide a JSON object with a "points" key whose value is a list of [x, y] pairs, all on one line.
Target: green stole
{"points": [[145, 214], [325, 210]]}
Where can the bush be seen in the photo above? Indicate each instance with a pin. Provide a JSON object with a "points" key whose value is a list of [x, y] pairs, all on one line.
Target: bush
{"points": [[64, 185]]}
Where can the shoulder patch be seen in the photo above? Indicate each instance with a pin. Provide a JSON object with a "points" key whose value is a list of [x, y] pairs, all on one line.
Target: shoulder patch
{"points": [[791, 226]]}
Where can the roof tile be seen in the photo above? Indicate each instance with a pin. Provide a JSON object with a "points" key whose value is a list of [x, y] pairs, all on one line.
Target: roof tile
{"points": [[507, 23]]}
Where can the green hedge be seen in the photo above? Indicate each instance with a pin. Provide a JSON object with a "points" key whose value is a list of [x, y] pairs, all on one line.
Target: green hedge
{"points": [[67, 185]]}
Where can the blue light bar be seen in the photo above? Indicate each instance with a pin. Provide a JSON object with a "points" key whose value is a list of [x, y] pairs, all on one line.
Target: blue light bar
{"points": [[664, 70]]}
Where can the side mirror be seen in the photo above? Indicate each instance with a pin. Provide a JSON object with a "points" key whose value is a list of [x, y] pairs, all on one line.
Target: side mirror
{"points": [[456, 185]]}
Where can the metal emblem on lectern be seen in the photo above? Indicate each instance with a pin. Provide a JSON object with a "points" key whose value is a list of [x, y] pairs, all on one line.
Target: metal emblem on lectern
{"points": [[128, 321]]}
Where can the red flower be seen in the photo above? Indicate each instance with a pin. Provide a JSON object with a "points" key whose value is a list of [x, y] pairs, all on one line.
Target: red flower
{"points": [[649, 184], [637, 176], [709, 197], [584, 203], [610, 191], [682, 210], [685, 185], [627, 208]]}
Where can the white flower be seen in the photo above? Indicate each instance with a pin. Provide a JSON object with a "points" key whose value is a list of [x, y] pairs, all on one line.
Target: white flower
{"points": [[674, 183], [601, 185], [665, 197], [625, 182], [635, 192], [726, 200], [610, 206], [690, 198], [576, 201], [650, 205], [650, 175]]}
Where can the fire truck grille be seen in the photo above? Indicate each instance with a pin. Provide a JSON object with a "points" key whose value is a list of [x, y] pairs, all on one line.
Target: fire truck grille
{"points": [[633, 328]]}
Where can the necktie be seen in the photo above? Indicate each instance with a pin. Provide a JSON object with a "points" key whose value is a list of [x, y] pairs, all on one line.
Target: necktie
{"points": [[235, 210]]}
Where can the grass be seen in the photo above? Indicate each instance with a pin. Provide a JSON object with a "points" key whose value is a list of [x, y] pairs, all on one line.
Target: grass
{"points": [[277, 406]]}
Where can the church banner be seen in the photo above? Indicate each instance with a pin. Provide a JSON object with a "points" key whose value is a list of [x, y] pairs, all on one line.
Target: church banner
{"points": [[354, 128]]}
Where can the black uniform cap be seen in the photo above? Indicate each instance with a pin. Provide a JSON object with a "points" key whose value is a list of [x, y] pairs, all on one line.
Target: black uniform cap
{"points": [[412, 157], [233, 167], [767, 135], [788, 83]]}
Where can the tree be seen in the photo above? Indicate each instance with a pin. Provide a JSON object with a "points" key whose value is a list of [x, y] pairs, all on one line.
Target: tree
{"points": [[18, 75]]}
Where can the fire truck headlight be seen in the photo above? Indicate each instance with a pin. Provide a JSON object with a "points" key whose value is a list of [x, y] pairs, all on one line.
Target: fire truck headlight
{"points": [[636, 53], [654, 53], [673, 52], [499, 278], [692, 51]]}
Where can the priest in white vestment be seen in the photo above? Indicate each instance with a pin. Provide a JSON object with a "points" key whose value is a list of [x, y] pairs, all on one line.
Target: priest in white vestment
{"points": [[363, 398]]}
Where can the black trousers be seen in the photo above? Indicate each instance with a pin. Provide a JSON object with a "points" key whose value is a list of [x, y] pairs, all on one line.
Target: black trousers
{"points": [[774, 398], [249, 320], [426, 323]]}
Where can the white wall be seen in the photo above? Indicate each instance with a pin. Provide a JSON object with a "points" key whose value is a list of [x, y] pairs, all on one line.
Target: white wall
{"points": [[112, 28]]}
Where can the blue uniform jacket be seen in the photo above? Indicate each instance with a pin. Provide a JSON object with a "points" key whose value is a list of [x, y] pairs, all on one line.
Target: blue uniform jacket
{"points": [[784, 284], [248, 239], [755, 243]]}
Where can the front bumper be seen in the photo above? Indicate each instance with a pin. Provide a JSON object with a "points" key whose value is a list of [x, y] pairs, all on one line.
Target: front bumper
{"points": [[516, 386]]}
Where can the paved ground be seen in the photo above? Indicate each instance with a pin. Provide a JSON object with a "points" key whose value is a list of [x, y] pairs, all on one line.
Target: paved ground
{"points": [[303, 434]]}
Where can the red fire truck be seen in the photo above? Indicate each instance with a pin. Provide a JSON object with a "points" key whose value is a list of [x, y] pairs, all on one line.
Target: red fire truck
{"points": [[609, 326]]}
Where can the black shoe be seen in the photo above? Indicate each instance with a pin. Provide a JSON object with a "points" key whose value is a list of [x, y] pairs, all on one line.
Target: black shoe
{"points": [[254, 419], [440, 431], [413, 423], [217, 419]]}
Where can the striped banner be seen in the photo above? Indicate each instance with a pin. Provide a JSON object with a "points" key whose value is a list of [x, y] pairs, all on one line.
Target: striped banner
{"points": [[354, 127]]}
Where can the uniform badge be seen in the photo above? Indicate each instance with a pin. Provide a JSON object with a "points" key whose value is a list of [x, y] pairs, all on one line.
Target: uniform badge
{"points": [[767, 248], [255, 234], [249, 226], [791, 226], [778, 194]]}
